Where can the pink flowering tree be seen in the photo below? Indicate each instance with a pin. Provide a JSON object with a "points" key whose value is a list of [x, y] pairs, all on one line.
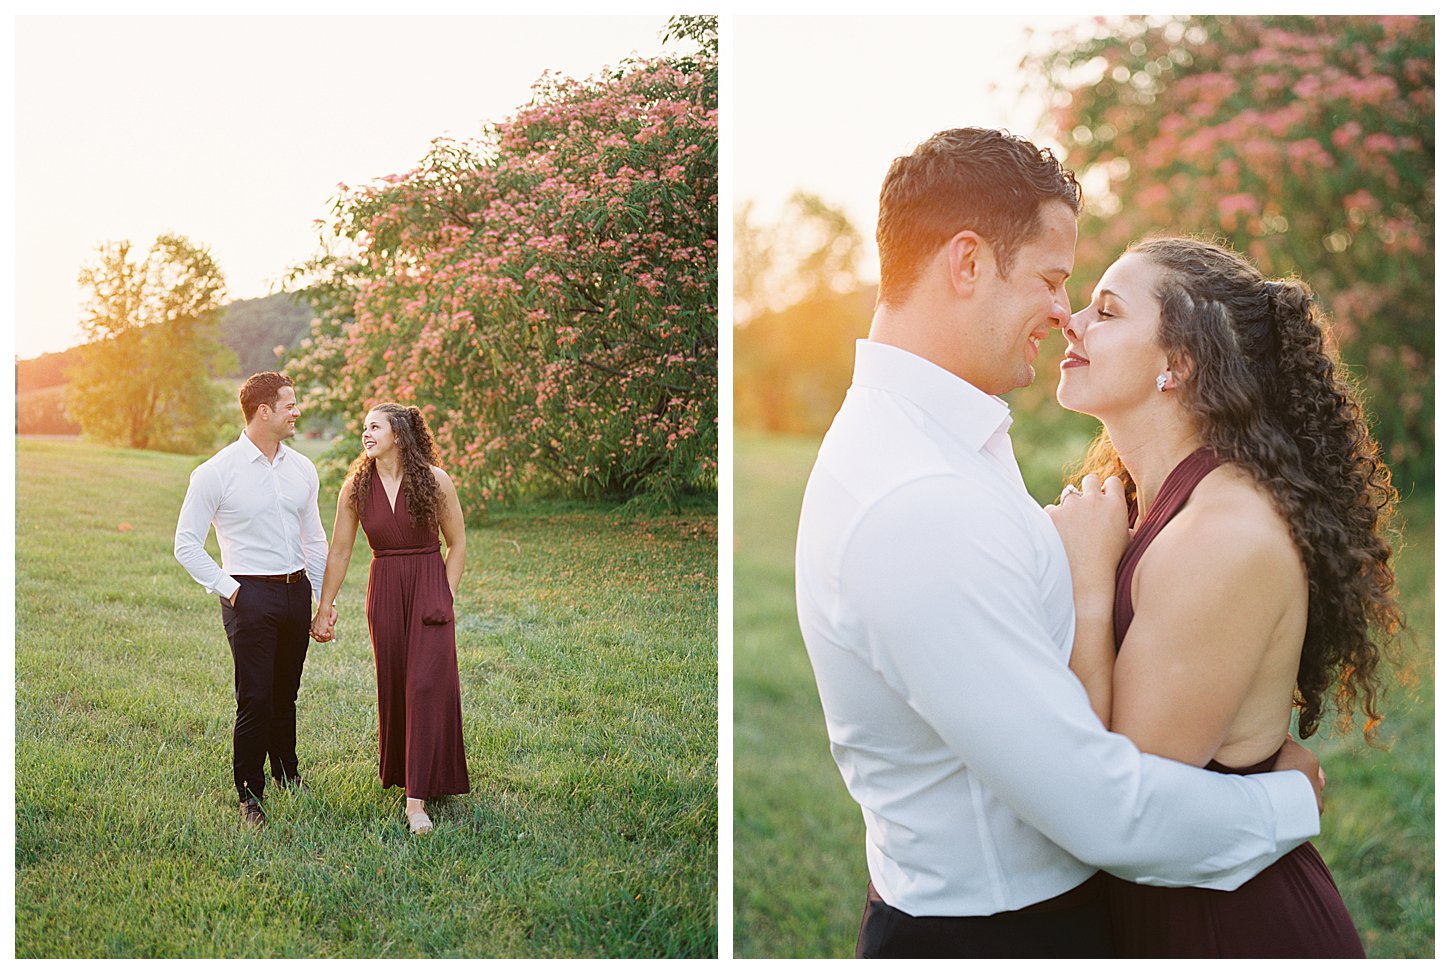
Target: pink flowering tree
{"points": [[546, 294], [1308, 142]]}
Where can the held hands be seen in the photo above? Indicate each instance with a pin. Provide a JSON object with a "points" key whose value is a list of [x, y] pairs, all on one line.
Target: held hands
{"points": [[1093, 524], [324, 624]]}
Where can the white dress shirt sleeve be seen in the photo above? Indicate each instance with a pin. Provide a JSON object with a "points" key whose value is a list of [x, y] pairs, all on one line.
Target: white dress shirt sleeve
{"points": [[203, 496], [953, 623], [314, 538]]}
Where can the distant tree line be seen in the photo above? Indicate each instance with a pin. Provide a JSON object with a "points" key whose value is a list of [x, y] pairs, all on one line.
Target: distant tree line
{"points": [[252, 329], [261, 332], [800, 305]]}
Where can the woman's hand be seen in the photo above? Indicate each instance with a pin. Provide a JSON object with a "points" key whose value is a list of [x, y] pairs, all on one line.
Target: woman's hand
{"points": [[322, 628], [1093, 523]]}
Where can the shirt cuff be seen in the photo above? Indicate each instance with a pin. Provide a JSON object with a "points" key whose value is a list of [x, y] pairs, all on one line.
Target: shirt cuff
{"points": [[227, 586], [1296, 811]]}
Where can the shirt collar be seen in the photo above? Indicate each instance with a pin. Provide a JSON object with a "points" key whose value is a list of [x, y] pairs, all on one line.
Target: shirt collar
{"points": [[966, 412], [255, 453]]}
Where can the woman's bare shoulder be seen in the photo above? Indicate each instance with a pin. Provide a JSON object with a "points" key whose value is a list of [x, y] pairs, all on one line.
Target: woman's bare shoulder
{"points": [[1235, 518]]}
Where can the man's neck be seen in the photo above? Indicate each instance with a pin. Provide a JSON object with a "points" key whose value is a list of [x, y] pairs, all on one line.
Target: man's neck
{"points": [[908, 328], [267, 444]]}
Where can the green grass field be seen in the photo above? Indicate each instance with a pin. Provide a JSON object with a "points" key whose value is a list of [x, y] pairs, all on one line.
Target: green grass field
{"points": [[588, 665], [799, 858]]}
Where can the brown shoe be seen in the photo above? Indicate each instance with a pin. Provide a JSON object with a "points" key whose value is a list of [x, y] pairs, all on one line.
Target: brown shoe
{"points": [[252, 814]]}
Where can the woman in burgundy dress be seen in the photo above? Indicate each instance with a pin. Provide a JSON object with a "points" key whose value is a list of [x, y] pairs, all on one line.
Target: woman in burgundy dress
{"points": [[1228, 559], [402, 499]]}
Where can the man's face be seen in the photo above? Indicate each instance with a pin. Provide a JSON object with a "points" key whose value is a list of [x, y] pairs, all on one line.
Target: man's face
{"points": [[280, 419], [1020, 310]]}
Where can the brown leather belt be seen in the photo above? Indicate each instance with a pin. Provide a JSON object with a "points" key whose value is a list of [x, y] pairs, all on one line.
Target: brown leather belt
{"points": [[290, 578]]}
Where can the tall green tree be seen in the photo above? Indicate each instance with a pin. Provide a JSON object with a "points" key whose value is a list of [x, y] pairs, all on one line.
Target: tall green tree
{"points": [[1306, 142], [799, 307], [144, 379], [811, 249]]}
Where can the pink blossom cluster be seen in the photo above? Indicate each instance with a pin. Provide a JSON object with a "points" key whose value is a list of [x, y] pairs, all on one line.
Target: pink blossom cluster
{"points": [[546, 294], [1307, 141]]}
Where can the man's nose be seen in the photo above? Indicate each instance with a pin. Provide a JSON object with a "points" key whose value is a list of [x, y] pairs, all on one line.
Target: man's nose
{"points": [[1061, 309]]}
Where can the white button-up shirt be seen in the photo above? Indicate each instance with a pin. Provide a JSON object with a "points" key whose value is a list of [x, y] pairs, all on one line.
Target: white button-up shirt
{"points": [[935, 601], [265, 514]]}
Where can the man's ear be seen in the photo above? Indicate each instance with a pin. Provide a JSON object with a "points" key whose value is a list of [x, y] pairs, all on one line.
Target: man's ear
{"points": [[969, 260]]}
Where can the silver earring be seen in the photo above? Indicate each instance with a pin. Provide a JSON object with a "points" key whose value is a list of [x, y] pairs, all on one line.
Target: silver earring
{"points": [[1162, 381]]}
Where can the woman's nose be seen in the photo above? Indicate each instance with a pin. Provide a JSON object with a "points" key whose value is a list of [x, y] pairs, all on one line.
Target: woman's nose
{"points": [[1073, 325]]}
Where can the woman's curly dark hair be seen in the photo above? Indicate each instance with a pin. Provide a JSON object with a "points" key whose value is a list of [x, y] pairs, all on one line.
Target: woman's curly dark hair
{"points": [[1268, 393], [419, 456]]}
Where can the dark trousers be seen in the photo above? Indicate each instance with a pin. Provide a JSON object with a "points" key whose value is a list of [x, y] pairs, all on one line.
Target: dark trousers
{"points": [[1075, 924], [268, 632]]}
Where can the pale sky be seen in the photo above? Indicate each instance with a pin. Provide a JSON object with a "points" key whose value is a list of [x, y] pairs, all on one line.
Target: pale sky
{"points": [[235, 131], [825, 103]]}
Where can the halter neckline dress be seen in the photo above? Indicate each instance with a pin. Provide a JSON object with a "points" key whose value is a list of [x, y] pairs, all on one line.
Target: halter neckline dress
{"points": [[410, 620], [1292, 908]]}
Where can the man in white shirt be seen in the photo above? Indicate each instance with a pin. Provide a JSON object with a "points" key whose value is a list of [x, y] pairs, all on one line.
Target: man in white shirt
{"points": [[261, 496], [934, 598]]}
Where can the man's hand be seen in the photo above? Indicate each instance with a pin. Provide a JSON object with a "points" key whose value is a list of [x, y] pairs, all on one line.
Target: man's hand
{"points": [[1294, 756], [324, 624]]}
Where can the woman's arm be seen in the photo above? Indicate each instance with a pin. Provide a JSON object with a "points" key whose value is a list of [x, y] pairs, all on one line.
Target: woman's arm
{"points": [[339, 554], [450, 521], [1092, 654], [1093, 525]]}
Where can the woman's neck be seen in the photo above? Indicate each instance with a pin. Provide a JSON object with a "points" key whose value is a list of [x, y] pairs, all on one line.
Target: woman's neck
{"points": [[1151, 452], [389, 465]]}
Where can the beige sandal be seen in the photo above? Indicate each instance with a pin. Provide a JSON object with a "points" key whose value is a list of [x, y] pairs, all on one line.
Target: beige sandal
{"points": [[419, 823]]}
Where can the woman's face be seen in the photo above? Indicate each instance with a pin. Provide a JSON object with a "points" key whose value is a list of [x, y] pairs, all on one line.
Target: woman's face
{"points": [[377, 437], [1113, 358]]}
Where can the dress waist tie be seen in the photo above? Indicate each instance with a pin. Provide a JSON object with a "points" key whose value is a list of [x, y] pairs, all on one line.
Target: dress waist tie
{"points": [[432, 549]]}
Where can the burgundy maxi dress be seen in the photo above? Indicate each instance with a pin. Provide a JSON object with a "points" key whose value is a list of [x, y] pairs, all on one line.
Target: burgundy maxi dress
{"points": [[1291, 909], [410, 619]]}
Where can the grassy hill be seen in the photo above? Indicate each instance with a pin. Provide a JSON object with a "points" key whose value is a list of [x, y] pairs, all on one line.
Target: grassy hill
{"points": [[586, 646]]}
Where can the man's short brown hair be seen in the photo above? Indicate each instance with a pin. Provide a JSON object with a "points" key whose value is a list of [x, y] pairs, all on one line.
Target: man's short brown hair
{"points": [[984, 180], [264, 387]]}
